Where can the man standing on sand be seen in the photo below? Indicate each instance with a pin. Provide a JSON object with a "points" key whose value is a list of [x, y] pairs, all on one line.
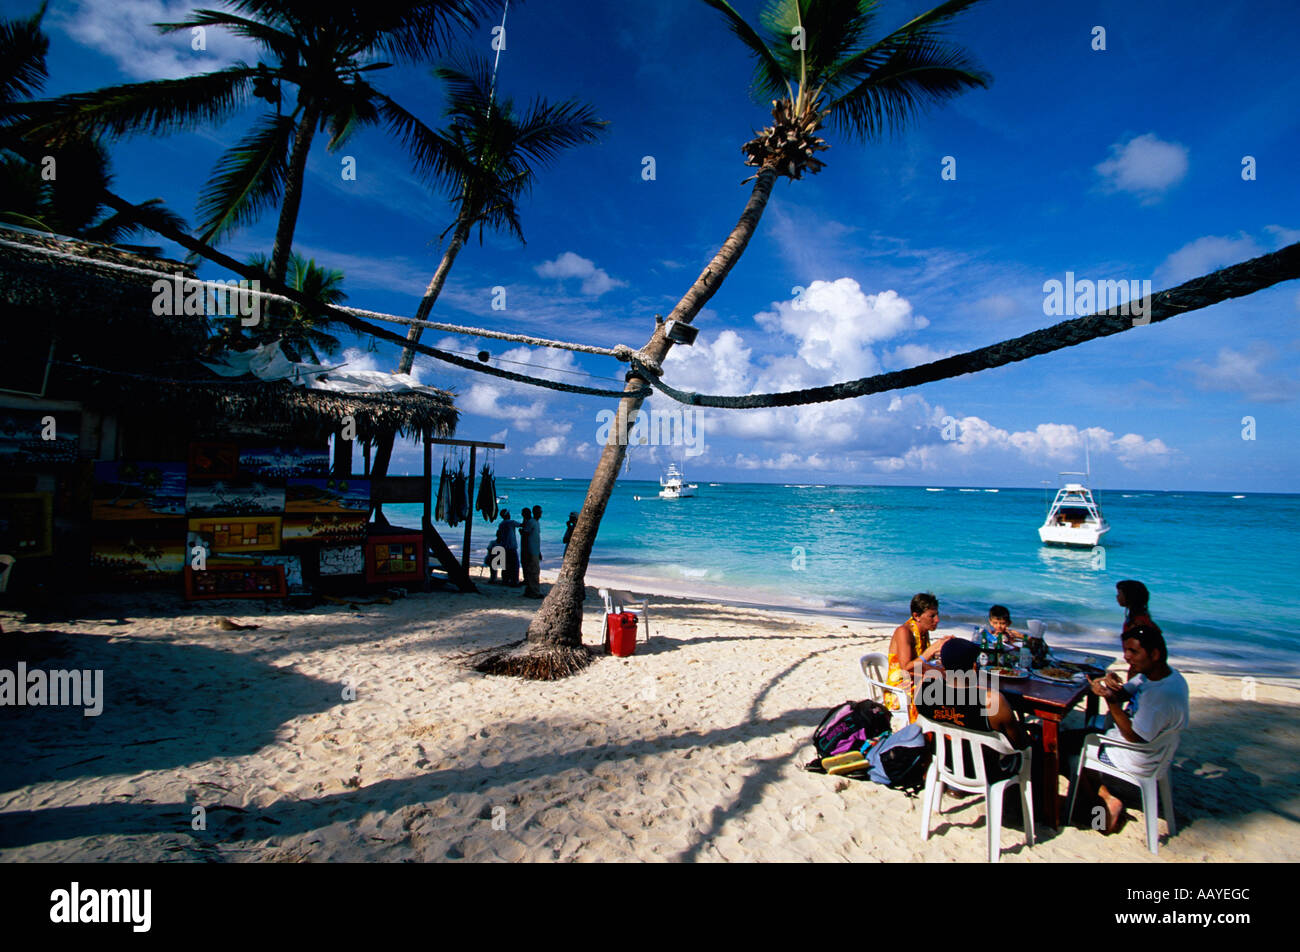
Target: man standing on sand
{"points": [[506, 540], [530, 542], [1152, 703]]}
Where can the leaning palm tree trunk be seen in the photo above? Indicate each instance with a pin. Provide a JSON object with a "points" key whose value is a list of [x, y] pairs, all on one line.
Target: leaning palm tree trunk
{"points": [[384, 444], [554, 646], [431, 293]]}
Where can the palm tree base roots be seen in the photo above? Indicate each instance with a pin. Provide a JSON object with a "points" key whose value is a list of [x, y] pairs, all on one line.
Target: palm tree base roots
{"points": [[533, 662]]}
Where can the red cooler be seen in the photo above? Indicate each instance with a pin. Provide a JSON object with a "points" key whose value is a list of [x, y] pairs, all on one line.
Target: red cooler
{"points": [[622, 634]]}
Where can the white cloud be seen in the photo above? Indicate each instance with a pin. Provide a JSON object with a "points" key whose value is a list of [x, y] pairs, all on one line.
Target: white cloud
{"points": [[834, 322], [124, 31], [1205, 255], [547, 446], [1282, 235], [595, 281], [1241, 372], [1001, 306], [913, 355], [1145, 166]]}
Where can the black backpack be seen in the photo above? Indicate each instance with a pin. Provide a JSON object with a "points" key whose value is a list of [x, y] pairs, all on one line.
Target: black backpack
{"points": [[903, 760]]}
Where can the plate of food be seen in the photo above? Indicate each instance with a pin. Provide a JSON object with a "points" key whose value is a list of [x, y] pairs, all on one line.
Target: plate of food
{"points": [[1059, 674], [1005, 673]]}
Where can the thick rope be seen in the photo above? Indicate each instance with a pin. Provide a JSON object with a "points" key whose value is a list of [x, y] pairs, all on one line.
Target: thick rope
{"points": [[1235, 281], [354, 311], [347, 316]]}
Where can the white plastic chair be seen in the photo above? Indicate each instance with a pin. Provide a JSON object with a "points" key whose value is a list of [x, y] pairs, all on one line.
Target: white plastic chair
{"points": [[950, 768], [874, 666], [1157, 782], [616, 602]]}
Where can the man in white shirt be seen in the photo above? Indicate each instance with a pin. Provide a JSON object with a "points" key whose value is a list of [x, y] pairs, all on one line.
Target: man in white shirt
{"points": [[1152, 703]]}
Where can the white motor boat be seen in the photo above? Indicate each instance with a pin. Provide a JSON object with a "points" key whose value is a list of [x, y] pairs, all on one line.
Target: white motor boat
{"points": [[1074, 517], [673, 486]]}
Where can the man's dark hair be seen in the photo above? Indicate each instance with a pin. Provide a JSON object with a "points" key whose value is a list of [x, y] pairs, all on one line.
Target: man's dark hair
{"points": [[537, 512], [958, 654], [1151, 638], [1136, 596], [922, 602], [1000, 612]]}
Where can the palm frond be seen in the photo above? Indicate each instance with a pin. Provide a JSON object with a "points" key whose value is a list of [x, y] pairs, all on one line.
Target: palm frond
{"points": [[284, 45], [770, 75], [117, 227], [550, 128], [248, 178], [23, 47], [920, 71], [154, 107], [432, 154], [412, 32]]}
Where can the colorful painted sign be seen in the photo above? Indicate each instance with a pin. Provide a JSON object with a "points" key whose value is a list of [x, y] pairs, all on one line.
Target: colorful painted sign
{"points": [[138, 491]]}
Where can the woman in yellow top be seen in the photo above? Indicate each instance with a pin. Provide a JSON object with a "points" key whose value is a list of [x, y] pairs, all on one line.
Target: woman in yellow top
{"points": [[911, 642]]}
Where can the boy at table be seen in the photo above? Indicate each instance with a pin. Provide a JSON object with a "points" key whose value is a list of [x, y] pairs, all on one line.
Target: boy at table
{"points": [[1000, 624], [1152, 702]]}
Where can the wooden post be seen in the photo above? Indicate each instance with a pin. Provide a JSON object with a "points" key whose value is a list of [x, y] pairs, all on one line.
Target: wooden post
{"points": [[426, 527], [469, 521]]}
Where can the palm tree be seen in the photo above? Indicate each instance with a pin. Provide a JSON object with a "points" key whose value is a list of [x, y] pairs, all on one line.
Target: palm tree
{"points": [[70, 204], [324, 52], [23, 45], [488, 157], [301, 329], [814, 58]]}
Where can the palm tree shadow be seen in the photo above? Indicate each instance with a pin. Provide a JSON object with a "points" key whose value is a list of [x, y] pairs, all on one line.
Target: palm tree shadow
{"points": [[163, 705]]}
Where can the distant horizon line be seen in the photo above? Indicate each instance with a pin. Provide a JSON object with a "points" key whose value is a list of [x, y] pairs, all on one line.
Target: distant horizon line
{"points": [[959, 486]]}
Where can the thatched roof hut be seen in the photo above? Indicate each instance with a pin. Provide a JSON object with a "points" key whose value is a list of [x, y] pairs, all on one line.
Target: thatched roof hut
{"points": [[113, 353]]}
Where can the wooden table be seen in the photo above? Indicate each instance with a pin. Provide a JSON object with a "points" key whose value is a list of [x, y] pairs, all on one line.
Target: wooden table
{"points": [[1050, 701]]}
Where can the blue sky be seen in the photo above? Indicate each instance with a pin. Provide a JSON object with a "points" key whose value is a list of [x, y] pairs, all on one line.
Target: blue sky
{"points": [[1117, 164]]}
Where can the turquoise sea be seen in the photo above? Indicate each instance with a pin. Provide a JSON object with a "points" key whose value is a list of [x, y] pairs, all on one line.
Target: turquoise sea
{"points": [[1220, 567]]}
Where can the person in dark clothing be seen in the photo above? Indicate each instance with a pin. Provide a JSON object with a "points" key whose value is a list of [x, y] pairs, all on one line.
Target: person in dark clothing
{"points": [[956, 696], [568, 529]]}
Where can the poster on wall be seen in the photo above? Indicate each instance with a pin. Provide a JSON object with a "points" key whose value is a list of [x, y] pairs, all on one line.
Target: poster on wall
{"points": [[395, 559], [327, 495], [284, 462], [38, 438], [325, 527], [292, 566], [233, 497], [132, 557], [235, 581], [342, 560], [138, 490], [220, 534]]}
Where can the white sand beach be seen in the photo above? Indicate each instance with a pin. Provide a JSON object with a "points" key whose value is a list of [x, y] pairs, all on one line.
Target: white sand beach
{"points": [[689, 750]]}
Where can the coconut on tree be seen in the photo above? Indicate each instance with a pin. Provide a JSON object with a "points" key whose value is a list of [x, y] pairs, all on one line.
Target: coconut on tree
{"points": [[817, 61], [325, 56], [488, 157]]}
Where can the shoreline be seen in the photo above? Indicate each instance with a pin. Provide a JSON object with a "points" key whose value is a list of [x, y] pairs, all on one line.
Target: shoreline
{"points": [[1092, 642]]}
